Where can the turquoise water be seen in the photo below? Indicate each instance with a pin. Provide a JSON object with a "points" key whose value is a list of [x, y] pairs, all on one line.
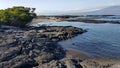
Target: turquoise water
{"points": [[101, 40]]}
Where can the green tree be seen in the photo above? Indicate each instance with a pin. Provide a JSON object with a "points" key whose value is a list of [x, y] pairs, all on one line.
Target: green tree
{"points": [[17, 16]]}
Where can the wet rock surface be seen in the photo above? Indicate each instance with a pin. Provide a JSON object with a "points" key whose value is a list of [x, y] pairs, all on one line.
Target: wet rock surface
{"points": [[95, 21], [36, 47]]}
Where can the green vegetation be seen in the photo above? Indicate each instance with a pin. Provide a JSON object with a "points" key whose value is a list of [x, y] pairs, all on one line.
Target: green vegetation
{"points": [[17, 16]]}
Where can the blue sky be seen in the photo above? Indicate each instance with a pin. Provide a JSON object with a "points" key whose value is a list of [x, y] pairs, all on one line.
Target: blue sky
{"points": [[49, 6]]}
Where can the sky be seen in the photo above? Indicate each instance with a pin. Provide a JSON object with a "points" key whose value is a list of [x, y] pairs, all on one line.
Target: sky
{"points": [[52, 6]]}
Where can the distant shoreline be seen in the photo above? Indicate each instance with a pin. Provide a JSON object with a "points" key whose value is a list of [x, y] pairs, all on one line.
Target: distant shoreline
{"points": [[39, 20], [66, 19]]}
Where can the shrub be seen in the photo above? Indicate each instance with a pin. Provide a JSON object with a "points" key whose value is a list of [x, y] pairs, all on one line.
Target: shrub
{"points": [[17, 16]]}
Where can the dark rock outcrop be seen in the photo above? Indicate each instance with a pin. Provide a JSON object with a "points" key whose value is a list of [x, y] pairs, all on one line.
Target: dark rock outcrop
{"points": [[35, 47], [95, 21]]}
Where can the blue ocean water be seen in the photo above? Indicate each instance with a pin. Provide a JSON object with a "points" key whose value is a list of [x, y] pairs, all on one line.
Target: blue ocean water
{"points": [[101, 40]]}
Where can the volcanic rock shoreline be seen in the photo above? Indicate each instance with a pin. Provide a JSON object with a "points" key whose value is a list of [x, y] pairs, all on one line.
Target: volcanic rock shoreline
{"points": [[94, 21], [35, 47]]}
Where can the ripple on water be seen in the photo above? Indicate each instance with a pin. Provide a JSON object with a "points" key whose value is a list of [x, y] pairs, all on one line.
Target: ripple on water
{"points": [[101, 40]]}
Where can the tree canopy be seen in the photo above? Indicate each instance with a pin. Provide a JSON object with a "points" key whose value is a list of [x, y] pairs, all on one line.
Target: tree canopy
{"points": [[17, 16]]}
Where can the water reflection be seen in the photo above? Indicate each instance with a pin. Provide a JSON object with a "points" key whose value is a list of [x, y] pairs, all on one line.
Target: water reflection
{"points": [[101, 40]]}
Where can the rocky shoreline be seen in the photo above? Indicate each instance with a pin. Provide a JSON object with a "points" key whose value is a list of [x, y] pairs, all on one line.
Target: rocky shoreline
{"points": [[37, 47], [67, 19], [94, 21], [34, 46]]}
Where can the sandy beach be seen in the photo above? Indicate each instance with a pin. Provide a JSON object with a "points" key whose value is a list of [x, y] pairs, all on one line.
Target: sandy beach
{"points": [[76, 54], [44, 20], [88, 62]]}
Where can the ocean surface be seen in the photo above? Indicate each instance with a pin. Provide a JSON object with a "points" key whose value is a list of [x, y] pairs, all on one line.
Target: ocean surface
{"points": [[100, 40]]}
